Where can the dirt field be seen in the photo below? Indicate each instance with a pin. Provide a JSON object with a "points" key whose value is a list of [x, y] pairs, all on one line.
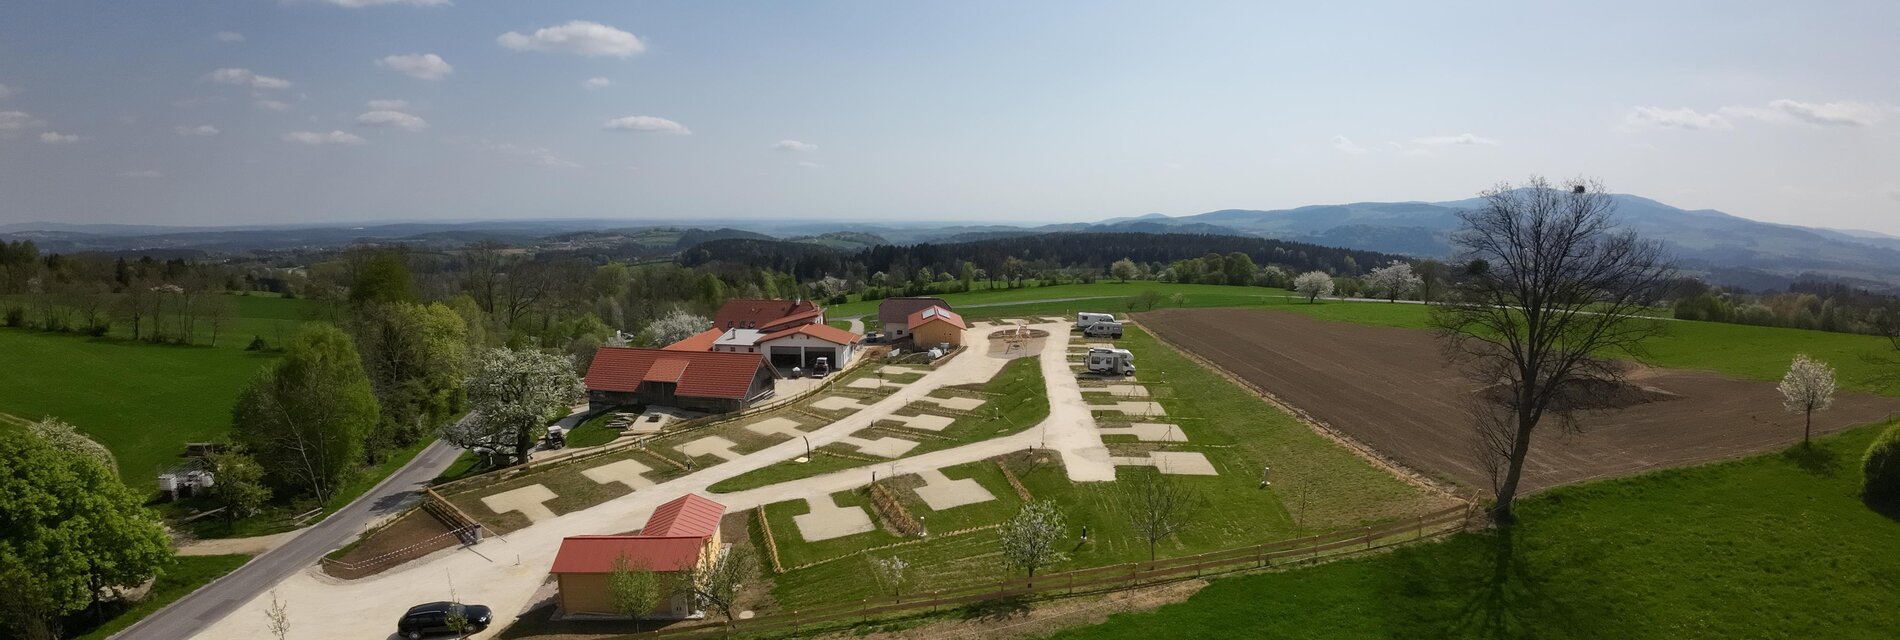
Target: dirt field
{"points": [[1391, 390]]}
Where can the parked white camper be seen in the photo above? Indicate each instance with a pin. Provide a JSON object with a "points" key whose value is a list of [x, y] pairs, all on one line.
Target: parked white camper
{"points": [[1111, 362], [1085, 319], [1108, 329]]}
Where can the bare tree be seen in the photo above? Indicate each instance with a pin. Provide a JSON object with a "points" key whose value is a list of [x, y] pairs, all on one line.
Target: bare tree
{"points": [[1808, 387], [1552, 291], [1157, 507], [279, 617], [719, 583]]}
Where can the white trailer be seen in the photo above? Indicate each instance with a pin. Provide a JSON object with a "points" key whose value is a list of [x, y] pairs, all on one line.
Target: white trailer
{"points": [[1111, 362], [1085, 319]]}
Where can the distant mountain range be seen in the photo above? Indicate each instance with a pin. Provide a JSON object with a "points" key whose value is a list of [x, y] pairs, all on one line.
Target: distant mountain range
{"points": [[1724, 248]]}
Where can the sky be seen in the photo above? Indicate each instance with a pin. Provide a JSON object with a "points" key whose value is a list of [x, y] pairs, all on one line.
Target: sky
{"points": [[263, 111]]}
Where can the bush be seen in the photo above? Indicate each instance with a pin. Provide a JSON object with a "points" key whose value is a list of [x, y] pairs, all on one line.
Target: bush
{"points": [[257, 344], [1881, 469], [16, 317]]}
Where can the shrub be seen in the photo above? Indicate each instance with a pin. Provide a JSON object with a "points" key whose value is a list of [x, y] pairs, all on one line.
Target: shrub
{"points": [[257, 344], [1882, 468]]}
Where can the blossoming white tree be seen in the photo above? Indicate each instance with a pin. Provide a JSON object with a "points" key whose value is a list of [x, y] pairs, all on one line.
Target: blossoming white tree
{"points": [[1313, 285], [1030, 538], [1394, 281], [1808, 387], [511, 394], [676, 326]]}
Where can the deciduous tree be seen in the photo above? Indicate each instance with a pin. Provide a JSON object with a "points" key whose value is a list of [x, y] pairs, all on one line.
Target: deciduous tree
{"points": [[511, 394], [1557, 294], [676, 326], [1393, 281], [1030, 539], [1156, 505], [719, 583], [1808, 387], [634, 589], [239, 484], [1314, 285], [1123, 269], [305, 417]]}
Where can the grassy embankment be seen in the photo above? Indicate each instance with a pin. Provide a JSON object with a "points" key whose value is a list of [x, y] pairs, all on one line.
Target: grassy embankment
{"points": [[1773, 546]]}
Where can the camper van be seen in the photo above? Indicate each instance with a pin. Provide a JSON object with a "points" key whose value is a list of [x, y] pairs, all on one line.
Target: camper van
{"points": [[1084, 319], [1111, 362], [1110, 329]]}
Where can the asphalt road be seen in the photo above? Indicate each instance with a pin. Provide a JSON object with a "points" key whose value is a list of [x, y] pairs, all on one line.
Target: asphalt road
{"points": [[208, 604]]}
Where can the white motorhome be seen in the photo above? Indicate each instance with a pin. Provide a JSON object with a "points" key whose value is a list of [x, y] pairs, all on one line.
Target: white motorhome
{"points": [[1109, 329], [1111, 362], [1085, 319]]}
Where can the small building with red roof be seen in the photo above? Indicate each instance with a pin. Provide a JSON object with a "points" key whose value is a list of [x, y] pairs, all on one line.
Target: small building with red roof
{"points": [[680, 537], [935, 326], [893, 314], [710, 381], [798, 345]]}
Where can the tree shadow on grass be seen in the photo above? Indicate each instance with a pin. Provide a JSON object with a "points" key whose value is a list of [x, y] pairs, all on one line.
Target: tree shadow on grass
{"points": [[1819, 461], [997, 610], [1491, 588]]}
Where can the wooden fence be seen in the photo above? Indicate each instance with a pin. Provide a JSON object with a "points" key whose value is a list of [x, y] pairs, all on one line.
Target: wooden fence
{"points": [[1100, 579]]}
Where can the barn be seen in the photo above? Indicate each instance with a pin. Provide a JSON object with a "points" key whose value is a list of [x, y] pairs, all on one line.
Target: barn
{"points": [[680, 536], [710, 381]]}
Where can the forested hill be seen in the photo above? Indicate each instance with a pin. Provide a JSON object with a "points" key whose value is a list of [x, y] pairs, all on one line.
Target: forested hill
{"points": [[1091, 251]]}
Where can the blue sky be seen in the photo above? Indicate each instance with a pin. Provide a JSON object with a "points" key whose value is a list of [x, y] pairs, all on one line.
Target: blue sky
{"points": [[1008, 111]]}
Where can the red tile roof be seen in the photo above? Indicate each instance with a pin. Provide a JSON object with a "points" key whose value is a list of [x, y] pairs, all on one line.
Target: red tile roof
{"points": [[894, 310], [597, 554], [702, 341], [796, 319], [745, 313], [671, 540], [688, 515], [826, 333], [701, 374], [935, 314]]}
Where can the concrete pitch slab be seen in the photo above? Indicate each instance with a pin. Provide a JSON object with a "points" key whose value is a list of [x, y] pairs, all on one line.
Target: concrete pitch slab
{"points": [[710, 445], [527, 501], [941, 493], [1054, 319], [1120, 390], [886, 447], [1183, 463], [1149, 432], [625, 472], [895, 370], [873, 383], [827, 520], [839, 403], [776, 426], [955, 404], [1133, 408], [926, 421]]}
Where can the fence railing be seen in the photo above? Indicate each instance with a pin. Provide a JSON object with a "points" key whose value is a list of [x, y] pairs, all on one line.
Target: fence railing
{"points": [[1102, 579]]}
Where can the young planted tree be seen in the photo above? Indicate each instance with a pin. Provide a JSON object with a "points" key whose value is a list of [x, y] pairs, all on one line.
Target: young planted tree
{"points": [[511, 394], [719, 584], [893, 575], [1393, 281], [1157, 507], [306, 416], [69, 531], [1555, 291], [634, 589], [277, 617], [1030, 539], [1314, 285], [1808, 387]]}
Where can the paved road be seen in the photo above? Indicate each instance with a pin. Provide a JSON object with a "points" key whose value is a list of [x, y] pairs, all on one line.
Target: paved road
{"points": [[214, 601]]}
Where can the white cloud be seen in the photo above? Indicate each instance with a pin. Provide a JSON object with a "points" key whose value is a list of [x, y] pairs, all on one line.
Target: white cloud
{"points": [[388, 105], [200, 130], [17, 120], [395, 119], [1459, 139], [427, 66], [649, 124], [578, 37], [140, 173], [55, 137], [244, 77], [319, 138], [795, 146], [596, 83], [229, 36], [272, 105], [1830, 114], [8, 92], [1684, 118], [536, 156], [1346, 145], [357, 4]]}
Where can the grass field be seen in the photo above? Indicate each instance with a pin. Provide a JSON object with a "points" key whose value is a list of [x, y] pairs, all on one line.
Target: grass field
{"points": [[1105, 296], [1775, 546], [183, 577]]}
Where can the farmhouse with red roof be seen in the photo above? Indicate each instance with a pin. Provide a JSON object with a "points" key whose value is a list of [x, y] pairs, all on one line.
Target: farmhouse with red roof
{"points": [[680, 535], [934, 326], [799, 340], [766, 315], [712, 381]]}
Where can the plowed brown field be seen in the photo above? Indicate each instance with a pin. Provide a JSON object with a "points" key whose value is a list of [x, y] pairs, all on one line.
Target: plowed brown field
{"points": [[1391, 389]]}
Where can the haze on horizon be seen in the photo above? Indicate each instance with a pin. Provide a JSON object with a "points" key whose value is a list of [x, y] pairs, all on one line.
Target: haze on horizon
{"points": [[215, 113]]}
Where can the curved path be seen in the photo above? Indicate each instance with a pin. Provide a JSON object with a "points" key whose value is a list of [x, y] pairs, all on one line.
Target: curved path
{"points": [[223, 596], [505, 573]]}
